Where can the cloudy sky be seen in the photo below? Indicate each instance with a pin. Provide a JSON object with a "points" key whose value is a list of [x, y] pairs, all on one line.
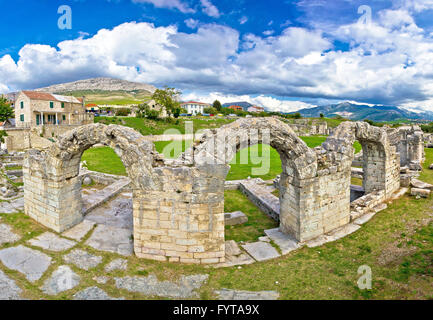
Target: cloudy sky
{"points": [[283, 55]]}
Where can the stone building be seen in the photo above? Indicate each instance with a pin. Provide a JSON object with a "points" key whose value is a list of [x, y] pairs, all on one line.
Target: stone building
{"points": [[194, 108], [33, 109]]}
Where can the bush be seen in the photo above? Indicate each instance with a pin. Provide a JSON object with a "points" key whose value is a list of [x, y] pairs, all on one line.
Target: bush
{"points": [[124, 112]]}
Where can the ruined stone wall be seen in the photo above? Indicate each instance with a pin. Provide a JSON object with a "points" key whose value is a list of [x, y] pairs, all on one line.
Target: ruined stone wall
{"points": [[49, 197], [178, 205], [23, 139], [381, 168], [409, 141], [312, 207], [183, 221], [307, 127]]}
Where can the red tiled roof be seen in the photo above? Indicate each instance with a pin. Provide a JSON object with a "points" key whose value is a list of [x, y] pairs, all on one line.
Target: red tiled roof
{"points": [[195, 102], [34, 95], [37, 95]]}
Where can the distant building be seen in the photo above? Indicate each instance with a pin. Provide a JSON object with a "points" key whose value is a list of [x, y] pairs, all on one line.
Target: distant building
{"points": [[33, 109], [9, 123], [236, 108], [256, 109], [91, 107], [194, 108], [153, 105]]}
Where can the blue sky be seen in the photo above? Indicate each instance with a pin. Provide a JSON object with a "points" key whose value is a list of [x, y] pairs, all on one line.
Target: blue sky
{"points": [[283, 55]]}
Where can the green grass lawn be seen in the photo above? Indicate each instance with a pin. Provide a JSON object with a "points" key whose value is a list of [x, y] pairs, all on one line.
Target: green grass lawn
{"points": [[147, 127], [257, 220], [104, 159]]}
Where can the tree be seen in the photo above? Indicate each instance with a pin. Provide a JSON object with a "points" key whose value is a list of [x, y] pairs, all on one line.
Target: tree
{"points": [[168, 97], [6, 110], [210, 110], [322, 115], [217, 105]]}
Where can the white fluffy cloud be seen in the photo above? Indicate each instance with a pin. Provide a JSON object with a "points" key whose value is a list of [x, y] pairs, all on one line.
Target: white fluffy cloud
{"points": [[269, 103], [170, 4], [389, 62], [210, 9]]}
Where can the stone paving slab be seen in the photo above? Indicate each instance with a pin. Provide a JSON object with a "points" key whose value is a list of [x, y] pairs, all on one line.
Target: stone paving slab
{"points": [[79, 231], [234, 256], [116, 213], [235, 218], [8, 288], [6, 235], [343, 231], [62, 279], [333, 235], [261, 196], [117, 264], [13, 206], [31, 263], [82, 259], [112, 239], [261, 251], [95, 199], [94, 293], [364, 218], [227, 294], [285, 242], [150, 286], [50, 241]]}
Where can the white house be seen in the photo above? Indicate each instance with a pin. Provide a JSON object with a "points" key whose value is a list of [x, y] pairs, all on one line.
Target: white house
{"points": [[194, 108], [256, 109]]}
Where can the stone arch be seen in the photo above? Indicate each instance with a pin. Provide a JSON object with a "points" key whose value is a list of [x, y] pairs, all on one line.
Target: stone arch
{"points": [[51, 177], [381, 162], [299, 182]]}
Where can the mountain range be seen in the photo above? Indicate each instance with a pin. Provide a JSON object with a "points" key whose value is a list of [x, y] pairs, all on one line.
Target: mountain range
{"points": [[354, 111], [105, 91], [100, 84]]}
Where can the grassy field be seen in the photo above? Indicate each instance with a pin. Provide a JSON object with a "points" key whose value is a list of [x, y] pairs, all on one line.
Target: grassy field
{"points": [[104, 159], [147, 127], [257, 220]]}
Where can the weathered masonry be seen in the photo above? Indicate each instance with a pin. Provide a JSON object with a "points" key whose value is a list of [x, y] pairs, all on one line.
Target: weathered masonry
{"points": [[178, 205]]}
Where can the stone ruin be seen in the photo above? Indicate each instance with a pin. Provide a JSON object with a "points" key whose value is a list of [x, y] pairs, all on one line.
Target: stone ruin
{"points": [[178, 205]]}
